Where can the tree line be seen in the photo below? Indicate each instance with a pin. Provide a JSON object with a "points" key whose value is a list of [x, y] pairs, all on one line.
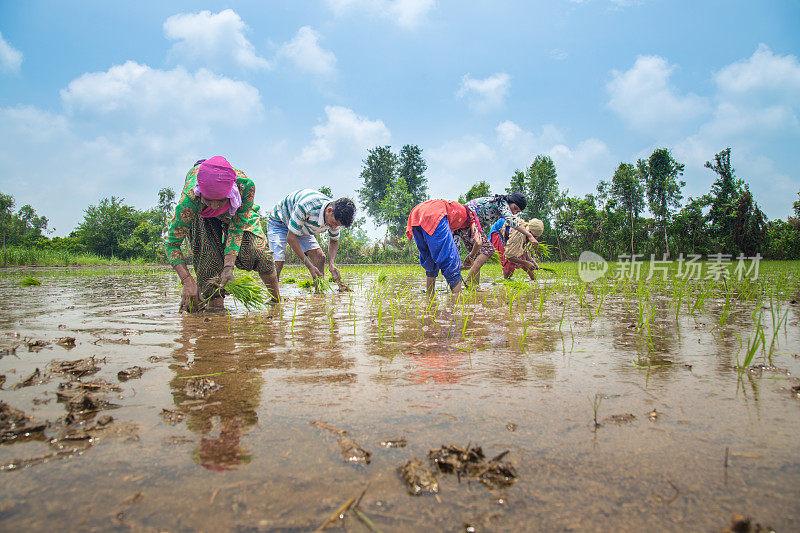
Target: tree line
{"points": [[639, 209]]}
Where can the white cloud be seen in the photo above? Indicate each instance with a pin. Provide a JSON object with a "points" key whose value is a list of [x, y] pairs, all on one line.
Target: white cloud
{"points": [[407, 14], [304, 51], [582, 167], [762, 74], [644, 98], [344, 133], [521, 145], [213, 40], [10, 57], [757, 96], [457, 164], [485, 94], [135, 128], [146, 95]]}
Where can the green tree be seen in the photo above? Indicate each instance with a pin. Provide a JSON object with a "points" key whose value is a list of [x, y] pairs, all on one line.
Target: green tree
{"points": [[479, 190], [627, 191], [396, 207], [107, 225], [166, 206], [412, 170], [722, 198], [662, 186], [539, 184], [690, 228], [749, 224], [579, 224], [326, 191], [378, 173]]}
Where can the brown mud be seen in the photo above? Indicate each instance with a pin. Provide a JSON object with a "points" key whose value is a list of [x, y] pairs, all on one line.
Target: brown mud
{"points": [[215, 434]]}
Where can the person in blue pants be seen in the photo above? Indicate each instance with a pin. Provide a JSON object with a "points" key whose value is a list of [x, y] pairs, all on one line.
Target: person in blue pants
{"points": [[432, 224]]}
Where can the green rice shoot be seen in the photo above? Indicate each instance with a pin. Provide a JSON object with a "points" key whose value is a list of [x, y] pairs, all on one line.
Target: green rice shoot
{"points": [[30, 281], [245, 290]]}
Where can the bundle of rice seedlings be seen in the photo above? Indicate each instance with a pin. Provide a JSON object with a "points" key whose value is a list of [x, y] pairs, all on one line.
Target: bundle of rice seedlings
{"points": [[319, 284], [544, 251], [30, 281], [290, 280], [245, 290], [382, 276]]}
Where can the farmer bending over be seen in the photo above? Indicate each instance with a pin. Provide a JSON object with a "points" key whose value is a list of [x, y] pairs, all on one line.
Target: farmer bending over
{"points": [[217, 214], [500, 235], [489, 210], [432, 225], [300, 216]]}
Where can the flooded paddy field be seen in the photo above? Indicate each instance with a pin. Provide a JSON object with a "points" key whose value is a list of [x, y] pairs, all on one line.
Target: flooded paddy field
{"points": [[666, 405]]}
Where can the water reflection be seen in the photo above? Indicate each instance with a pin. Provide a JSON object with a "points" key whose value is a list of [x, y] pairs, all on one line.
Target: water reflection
{"points": [[217, 388]]}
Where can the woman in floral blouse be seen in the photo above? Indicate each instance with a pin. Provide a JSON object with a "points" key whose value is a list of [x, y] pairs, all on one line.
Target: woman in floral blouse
{"points": [[489, 210], [217, 214]]}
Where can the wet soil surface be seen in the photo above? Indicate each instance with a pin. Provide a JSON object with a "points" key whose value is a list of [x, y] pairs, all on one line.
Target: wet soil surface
{"points": [[118, 413]]}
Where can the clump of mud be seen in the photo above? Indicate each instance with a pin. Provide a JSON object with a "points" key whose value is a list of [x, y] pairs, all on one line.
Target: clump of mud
{"points": [[418, 478], [743, 524], [471, 462], [351, 451], [172, 417], [201, 387], [394, 442], [77, 368], [133, 372], [16, 425], [621, 419]]}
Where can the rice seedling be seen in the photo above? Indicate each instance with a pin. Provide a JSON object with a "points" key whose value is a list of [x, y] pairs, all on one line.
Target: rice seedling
{"points": [[244, 290], [382, 277], [596, 407], [750, 354], [290, 280], [30, 281]]}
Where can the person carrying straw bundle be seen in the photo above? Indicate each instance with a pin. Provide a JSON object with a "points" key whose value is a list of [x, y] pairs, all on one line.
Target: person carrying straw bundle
{"points": [[217, 214], [489, 210], [432, 225], [511, 245]]}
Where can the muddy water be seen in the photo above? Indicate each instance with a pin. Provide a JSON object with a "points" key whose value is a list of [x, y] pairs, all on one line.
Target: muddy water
{"points": [[236, 449]]}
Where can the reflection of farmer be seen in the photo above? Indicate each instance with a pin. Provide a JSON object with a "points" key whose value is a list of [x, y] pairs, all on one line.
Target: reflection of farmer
{"points": [[220, 405], [217, 213], [500, 235], [300, 216], [488, 210], [432, 224]]}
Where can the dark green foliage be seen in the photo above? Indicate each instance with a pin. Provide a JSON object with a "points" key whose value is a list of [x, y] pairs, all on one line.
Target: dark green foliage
{"points": [[737, 223], [479, 190], [539, 184], [412, 170], [393, 185], [378, 174], [662, 186], [627, 192]]}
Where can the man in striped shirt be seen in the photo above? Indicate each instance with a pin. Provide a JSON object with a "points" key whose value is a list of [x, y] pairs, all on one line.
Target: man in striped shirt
{"points": [[300, 216]]}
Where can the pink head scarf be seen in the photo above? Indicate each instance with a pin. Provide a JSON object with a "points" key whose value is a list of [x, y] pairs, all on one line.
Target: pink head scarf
{"points": [[216, 180]]}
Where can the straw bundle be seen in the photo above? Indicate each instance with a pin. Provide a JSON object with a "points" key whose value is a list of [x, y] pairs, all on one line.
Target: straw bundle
{"points": [[515, 247]]}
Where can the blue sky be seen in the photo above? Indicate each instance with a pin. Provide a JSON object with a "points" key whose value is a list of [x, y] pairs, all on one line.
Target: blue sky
{"points": [[103, 98]]}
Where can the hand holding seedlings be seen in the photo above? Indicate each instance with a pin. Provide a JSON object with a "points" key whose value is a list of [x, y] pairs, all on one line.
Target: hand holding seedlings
{"points": [[190, 295], [226, 276]]}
